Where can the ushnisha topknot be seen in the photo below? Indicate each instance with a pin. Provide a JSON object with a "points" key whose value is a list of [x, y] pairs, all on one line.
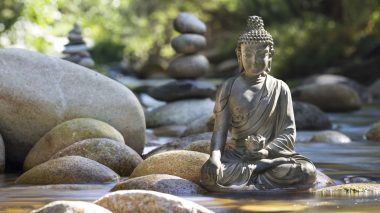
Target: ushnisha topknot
{"points": [[255, 32]]}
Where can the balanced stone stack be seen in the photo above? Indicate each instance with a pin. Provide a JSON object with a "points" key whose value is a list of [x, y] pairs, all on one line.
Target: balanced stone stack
{"points": [[189, 98], [190, 64], [77, 49]]}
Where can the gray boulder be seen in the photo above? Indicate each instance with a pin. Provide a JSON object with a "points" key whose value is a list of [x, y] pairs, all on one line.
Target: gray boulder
{"points": [[183, 89], [374, 90], [310, 117], [330, 136], [71, 207], [161, 183], [338, 79], [148, 201], [187, 23], [2, 155], [180, 112], [68, 170], [188, 66], [115, 155], [329, 97], [188, 43], [38, 92]]}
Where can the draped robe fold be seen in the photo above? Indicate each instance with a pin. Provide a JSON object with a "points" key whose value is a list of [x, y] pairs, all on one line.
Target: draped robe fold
{"points": [[270, 114]]}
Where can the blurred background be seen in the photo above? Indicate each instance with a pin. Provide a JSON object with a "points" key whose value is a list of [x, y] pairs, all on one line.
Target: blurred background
{"points": [[311, 36]]}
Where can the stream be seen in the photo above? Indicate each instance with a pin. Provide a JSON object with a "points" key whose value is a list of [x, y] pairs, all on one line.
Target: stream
{"points": [[360, 158]]}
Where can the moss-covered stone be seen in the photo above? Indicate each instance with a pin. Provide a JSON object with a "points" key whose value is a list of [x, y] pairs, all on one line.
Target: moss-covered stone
{"points": [[352, 189], [373, 133], [66, 134]]}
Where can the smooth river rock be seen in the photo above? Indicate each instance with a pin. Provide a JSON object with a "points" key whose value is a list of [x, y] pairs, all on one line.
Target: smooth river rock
{"points": [[2, 155], [71, 207], [161, 183], [68, 170], [329, 97], [67, 133], [187, 23], [180, 112], [310, 117], [351, 190], [330, 136], [188, 43], [374, 90], [183, 89], [188, 66], [113, 154], [373, 133], [148, 201], [39, 92], [181, 163]]}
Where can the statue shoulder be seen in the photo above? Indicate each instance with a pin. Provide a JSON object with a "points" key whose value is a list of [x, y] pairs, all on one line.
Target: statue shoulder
{"points": [[223, 94]]}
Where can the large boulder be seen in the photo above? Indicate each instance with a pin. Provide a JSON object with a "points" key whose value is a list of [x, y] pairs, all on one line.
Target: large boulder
{"points": [[188, 43], [329, 97], [2, 155], [38, 92], [310, 117], [68, 170], [181, 163], [66, 134], [113, 154], [180, 112], [338, 79], [161, 183], [183, 89], [330, 136], [188, 66], [187, 23], [373, 133], [351, 190], [71, 207], [147, 201]]}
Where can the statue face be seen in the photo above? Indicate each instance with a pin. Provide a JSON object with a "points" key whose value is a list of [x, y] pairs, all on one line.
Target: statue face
{"points": [[255, 58]]}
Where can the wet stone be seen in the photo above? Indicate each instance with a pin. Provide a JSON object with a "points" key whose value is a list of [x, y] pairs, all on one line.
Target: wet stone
{"points": [[310, 117], [373, 133]]}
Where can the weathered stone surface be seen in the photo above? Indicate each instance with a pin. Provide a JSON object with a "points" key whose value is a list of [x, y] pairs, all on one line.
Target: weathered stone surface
{"points": [[183, 89], [38, 92], [187, 23], [373, 133], [202, 146], [71, 207], [323, 180], [374, 90], [67, 133], [113, 154], [310, 117], [68, 170], [329, 97], [179, 112], [147, 201], [351, 190], [330, 136], [181, 163], [188, 66], [2, 155], [179, 143], [170, 131], [188, 43], [201, 125], [161, 183], [338, 79]]}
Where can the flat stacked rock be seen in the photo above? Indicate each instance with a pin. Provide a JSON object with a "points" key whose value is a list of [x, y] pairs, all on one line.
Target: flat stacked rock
{"points": [[190, 64], [77, 50]]}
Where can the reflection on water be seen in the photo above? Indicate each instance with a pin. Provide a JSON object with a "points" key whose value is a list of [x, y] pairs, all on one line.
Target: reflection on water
{"points": [[358, 158]]}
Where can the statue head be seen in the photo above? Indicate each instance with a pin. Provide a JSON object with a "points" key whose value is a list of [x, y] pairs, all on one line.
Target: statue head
{"points": [[255, 48]]}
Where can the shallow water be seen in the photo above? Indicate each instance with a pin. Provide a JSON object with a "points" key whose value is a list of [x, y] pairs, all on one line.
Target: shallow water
{"points": [[358, 158]]}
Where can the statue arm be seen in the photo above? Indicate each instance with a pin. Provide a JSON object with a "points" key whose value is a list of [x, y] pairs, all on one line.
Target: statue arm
{"points": [[283, 144]]}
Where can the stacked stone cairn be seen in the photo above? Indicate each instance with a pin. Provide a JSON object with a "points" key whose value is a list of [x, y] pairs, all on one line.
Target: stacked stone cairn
{"points": [[187, 96], [77, 50]]}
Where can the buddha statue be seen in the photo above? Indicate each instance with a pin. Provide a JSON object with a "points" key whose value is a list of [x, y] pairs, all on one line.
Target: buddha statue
{"points": [[257, 110]]}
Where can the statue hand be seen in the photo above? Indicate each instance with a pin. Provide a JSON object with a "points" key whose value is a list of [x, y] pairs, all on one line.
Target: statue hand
{"points": [[263, 153], [216, 166]]}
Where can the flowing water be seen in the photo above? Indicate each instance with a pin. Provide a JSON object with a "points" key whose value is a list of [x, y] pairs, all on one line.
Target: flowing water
{"points": [[339, 161]]}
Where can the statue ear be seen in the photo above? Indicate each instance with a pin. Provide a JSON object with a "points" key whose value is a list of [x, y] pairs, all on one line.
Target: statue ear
{"points": [[238, 55]]}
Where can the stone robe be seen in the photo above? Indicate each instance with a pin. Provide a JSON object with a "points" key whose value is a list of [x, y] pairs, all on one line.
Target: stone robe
{"points": [[270, 114]]}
